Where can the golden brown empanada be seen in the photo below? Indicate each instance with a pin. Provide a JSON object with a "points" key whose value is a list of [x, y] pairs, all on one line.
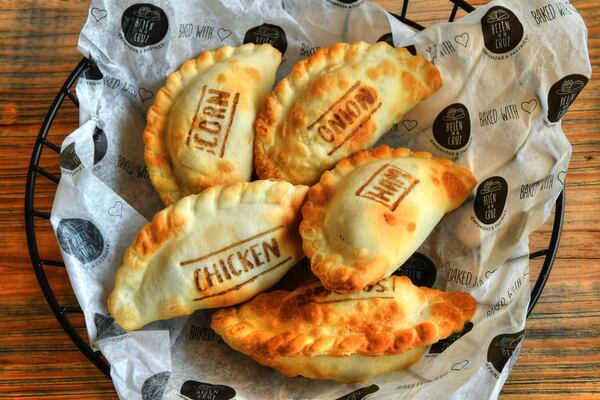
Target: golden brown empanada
{"points": [[367, 216], [338, 101], [214, 249], [200, 129], [320, 334]]}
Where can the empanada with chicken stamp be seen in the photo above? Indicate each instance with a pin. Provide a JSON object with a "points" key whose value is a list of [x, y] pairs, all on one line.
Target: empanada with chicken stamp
{"points": [[350, 337], [336, 102], [369, 214], [200, 128], [214, 249]]}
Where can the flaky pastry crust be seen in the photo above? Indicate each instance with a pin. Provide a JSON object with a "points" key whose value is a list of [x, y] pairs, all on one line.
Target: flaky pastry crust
{"points": [[368, 215], [214, 249], [334, 103], [200, 128], [310, 330]]}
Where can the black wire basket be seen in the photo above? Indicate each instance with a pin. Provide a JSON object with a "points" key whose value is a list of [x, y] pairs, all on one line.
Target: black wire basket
{"points": [[61, 312]]}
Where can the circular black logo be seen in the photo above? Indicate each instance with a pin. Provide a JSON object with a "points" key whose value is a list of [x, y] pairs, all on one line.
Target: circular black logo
{"points": [[267, 33], [144, 24], [419, 269], [92, 72], [502, 30], [100, 145], [360, 394], [80, 238], [502, 347], [443, 344], [452, 127], [490, 199], [388, 38], [562, 94], [200, 390], [153, 388], [69, 158], [106, 327]]}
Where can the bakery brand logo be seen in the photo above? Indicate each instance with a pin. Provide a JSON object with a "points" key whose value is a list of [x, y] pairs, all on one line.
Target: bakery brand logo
{"points": [[200, 391], [419, 269], [562, 94], [83, 240], [153, 388], [502, 31], [106, 327], [443, 344], [346, 116], [69, 160], [360, 394], [100, 145], [144, 25], [388, 186], [247, 259], [346, 3], [452, 129], [501, 350], [489, 202], [212, 121], [267, 33]]}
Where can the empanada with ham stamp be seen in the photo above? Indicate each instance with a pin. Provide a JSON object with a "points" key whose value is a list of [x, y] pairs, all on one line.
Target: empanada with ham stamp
{"points": [[200, 128], [369, 214], [336, 102], [214, 249], [321, 334]]}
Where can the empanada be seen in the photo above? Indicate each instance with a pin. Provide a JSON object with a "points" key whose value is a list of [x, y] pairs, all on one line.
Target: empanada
{"points": [[320, 334], [338, 101], [367, 216], [214, 249], [200, 129]]}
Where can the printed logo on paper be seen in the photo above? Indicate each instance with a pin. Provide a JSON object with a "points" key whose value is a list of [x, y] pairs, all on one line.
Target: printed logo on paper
{"points": [[360, 394], [388, 38], [502, 348], [419, 269], [100, 145], [267, 33], [502, 30], [346, 3], [81, 239], [106, 327], [199, 391], [69, 159], [452, 128], [443, 344], [153, 388], [144, 25], [92, 72], [562, 94], [490, 200]]}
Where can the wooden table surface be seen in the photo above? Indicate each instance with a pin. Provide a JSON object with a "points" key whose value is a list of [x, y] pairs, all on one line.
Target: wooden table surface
{"points": [[560, 357]]}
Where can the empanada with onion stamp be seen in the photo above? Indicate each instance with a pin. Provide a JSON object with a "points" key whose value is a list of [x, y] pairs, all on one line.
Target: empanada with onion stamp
{"points": [[369, 214], [214, 249], [336, 102], [200, 128], [349, 337]]}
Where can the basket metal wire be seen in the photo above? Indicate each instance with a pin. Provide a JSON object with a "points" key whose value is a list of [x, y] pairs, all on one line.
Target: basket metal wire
{"points": [[61, 312]]}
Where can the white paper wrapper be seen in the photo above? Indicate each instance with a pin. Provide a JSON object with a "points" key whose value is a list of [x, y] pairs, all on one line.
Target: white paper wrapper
{"points": [[510, 69]]}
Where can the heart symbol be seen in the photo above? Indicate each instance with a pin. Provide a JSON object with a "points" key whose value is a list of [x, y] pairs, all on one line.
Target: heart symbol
{"points": [[529, 106], [459, 366], [223, 33], [99, 14], [116, 210], [463, 39], [145, 94], [409, 124]]}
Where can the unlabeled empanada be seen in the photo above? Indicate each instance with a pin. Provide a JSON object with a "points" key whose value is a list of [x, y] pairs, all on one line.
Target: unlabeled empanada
{"points": [[338, 101], [367, 216], [321, 334], [200, 129], [214, 249]]}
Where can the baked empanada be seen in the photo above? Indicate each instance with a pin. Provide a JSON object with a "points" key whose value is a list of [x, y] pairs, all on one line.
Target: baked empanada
{"points": [[320, 334], [214, 249], [338, 101], [200, 129], [367, 216]]}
